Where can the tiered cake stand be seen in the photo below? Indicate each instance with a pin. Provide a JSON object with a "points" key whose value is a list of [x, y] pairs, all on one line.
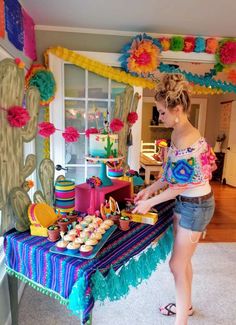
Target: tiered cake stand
{"points": [[106, 181]]}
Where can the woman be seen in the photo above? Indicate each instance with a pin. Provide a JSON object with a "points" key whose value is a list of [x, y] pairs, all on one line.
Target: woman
{"points": [[187, 172]]}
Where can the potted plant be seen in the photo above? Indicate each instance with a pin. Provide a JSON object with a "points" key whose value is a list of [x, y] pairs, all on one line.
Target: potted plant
{"points": [[53, 233], [63, 223], [124, 223]]}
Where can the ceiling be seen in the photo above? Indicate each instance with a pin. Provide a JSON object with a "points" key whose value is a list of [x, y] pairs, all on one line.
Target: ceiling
{"points": [[186, 17]]}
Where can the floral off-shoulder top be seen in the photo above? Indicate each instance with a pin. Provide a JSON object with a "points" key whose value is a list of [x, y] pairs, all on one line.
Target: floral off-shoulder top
{"points": [[189, 167]]}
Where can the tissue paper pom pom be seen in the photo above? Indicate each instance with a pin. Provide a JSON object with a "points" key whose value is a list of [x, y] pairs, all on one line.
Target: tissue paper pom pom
{"points": [[189, 43], [228, 52], [17, 116], [116, 125], [165, 43], [91, 131], [46, 129], [177, 43], [199, 45], [232, 76], [132, 117], [70, 134], [211, 45]]}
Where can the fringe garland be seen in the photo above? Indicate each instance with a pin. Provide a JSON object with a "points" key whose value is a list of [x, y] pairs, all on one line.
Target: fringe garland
{"points": [[117, 284], [98, 67], [37, 286]]}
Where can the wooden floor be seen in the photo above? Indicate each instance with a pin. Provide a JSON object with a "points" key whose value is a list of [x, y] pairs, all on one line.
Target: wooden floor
{"points": [[223, 225]]}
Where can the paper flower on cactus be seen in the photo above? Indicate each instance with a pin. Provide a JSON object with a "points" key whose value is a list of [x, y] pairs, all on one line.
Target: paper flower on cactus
{"points": [[91, 131], [142, 55], [165, 43], [227, 52], [46, 129], [19, 63], [71, 134], [132, 117], [94, 181], [17, 116], [116, 125]]}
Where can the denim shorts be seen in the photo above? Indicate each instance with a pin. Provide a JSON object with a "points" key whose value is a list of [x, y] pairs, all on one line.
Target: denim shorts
{"points": [[195, 216]]}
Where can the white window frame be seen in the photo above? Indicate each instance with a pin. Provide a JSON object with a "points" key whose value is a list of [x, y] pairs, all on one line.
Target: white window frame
{"points": [[57, 111]]}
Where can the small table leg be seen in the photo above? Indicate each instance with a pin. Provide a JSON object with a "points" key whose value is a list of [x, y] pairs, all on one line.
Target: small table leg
{"points": [[147, 176], [13, 292]]}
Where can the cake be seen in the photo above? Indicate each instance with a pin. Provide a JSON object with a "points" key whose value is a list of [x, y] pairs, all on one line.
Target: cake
{"points": [[115, 172], [103, 145]]}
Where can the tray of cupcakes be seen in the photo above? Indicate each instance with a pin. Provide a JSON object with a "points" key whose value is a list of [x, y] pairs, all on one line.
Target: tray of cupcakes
{"points": [[85, 239]]}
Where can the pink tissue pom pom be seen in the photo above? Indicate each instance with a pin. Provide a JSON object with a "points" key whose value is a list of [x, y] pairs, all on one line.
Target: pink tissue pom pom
{"points": [[91, 131], [70, 134], [46, 129], [228, 52], [116, 125], [17, 116], [132, 117]]}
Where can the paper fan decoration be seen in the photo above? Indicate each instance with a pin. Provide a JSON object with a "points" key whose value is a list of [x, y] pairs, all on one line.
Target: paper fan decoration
{"points": [[141, 56], [43, 79]]}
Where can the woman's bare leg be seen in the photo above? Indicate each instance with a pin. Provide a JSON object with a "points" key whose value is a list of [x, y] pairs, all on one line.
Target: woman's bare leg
{"points": [[180, 265]]}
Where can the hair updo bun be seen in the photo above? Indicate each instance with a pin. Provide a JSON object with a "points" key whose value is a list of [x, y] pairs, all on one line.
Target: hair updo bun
{"points": [[173, 90]]}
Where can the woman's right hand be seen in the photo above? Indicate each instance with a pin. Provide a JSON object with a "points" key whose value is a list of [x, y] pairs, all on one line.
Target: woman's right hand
{"points": [[142, 195]]}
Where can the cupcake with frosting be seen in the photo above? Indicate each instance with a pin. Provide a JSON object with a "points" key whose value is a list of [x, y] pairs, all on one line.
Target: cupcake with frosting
{"points": [[91, 242], [79, 240], [68, 237], [61, 245], [101, 231], [86, 250], [73, 247], [96, 235], [79, 227], [108, 222], [105, 226]]}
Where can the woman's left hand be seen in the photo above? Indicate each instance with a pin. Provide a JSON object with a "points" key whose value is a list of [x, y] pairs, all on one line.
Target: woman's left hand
{"points": [[142, 207]]}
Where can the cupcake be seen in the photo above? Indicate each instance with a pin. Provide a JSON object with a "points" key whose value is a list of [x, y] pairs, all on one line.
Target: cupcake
{"points": [[89, 218], [105, 226], [84, 224], [69, 237], [72, 232], [79, 227], [73, 247], [96, 235], [91, 242], [108, 222], [101, 231], [86, 250], [61, 245], [79, 240]]}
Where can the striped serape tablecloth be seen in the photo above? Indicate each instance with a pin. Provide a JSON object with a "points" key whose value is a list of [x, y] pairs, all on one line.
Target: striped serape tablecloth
{"points": [[74, 281]]}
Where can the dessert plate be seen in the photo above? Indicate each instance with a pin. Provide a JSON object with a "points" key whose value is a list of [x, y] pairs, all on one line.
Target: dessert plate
{"points": [[96, 249]]}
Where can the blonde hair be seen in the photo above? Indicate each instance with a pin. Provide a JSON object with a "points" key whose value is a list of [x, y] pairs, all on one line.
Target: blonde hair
{"points": [[173, 90]]}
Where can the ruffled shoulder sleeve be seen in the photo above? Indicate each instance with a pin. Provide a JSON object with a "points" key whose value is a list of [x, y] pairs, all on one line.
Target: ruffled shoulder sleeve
{"points": [[189, 167]]}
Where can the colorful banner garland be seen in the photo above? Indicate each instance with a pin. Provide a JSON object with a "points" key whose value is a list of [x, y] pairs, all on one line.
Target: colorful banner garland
{"points": [[2, 19], [29, 36], [14, 23], [98, 67]]}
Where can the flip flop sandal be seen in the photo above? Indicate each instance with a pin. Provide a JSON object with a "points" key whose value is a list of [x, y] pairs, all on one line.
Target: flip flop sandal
{"points": [[168, 312]]}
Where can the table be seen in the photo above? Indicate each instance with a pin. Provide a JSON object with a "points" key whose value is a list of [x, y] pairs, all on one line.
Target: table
{"points": [[119, 190], [77, 283], [150, 165]]}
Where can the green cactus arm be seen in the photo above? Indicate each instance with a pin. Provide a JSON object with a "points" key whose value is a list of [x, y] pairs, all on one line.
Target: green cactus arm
{"points": [[46, 177], [29, 167], [39, 197], [32, 104], [20, 202]]}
